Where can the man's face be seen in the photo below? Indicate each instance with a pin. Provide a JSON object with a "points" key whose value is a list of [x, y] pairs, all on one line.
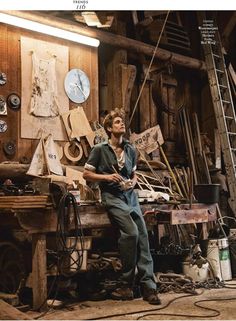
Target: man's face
{"points": [[118, 126]]}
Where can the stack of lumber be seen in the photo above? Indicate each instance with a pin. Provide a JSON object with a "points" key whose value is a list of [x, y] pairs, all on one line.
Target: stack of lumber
{"points": [[25, 202]]}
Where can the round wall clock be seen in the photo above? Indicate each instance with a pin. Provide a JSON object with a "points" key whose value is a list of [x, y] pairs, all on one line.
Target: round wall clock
{"points": [[77, 85]]}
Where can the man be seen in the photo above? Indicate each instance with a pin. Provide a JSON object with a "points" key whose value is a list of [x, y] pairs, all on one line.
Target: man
{"points": [[113, 165]]}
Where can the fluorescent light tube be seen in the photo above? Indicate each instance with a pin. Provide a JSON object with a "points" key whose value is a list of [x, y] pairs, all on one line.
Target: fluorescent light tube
{"points": [[48, 30]]}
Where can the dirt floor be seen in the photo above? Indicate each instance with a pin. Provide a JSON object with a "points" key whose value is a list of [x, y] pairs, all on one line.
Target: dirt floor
{"points": [[216, 304]]}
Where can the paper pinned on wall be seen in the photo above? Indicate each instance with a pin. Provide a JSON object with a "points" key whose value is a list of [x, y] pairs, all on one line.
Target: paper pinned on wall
{"points": [[31, 124]]}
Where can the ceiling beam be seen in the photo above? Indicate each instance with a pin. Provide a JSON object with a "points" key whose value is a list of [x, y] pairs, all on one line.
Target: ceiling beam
{"points": [[112, 39]]}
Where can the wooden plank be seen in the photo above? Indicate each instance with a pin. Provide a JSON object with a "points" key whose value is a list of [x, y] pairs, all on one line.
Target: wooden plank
{"points": [[144, 107], [153, 108], [114, 74], [8, 312], [171, 103], [189, 216], [229, 25], [39, 271]]}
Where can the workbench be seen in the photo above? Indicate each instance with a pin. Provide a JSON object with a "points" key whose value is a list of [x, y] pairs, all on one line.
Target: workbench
{"points": [[40, 221]]}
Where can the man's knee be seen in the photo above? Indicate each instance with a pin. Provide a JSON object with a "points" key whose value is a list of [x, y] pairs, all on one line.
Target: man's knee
{"points": [[132, 234]]}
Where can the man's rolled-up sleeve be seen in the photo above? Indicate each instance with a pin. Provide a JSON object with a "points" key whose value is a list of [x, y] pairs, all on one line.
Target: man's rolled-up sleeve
{"points": [[93, 160]]}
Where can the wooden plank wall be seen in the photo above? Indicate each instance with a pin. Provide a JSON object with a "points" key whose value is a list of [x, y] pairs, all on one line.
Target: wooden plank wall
{"points": [[80, 56]]}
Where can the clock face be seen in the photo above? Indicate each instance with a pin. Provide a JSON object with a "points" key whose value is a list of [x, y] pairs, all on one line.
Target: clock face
{"points": [[77, 85]]}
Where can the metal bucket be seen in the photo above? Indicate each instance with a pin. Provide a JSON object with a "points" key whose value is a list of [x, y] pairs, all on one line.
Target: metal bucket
{"points": [[219, 257], [207, 193]]}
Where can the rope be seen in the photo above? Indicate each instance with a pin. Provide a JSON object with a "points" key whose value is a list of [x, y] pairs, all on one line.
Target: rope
{"points": [[149, 68]]}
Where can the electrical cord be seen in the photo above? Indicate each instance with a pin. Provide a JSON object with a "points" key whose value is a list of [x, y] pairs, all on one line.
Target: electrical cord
{"points": [[64, 249], [214, 314], [63, 220], [143, 311]]}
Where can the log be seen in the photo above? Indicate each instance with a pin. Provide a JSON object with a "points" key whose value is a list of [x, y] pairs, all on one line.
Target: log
{"points": [[13, 170], [8, 312], [18, 171], [111, 39]]}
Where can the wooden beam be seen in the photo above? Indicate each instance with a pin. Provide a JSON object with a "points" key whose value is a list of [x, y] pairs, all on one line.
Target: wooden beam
{"points": [[39, 271], [229, 25], [111, 39], [8, 312]]}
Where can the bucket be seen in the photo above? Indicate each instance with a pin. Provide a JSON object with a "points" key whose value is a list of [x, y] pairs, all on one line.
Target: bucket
{"points": [[207, 193], [219, 258], [225, 263], [196, 273], [70, 261]]}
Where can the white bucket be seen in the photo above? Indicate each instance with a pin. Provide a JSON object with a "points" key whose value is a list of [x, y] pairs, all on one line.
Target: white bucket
{"points": [[196, 273], [219, 258]]}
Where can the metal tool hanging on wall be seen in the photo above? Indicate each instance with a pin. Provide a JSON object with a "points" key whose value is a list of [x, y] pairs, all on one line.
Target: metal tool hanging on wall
{"points": [[3, 106], [3, 78], [3, 126]]}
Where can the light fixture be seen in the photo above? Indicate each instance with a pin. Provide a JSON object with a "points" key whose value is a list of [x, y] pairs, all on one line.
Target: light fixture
{"points": [[48, 30]]}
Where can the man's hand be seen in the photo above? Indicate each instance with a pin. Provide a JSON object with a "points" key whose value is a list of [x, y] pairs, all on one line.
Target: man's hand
{"points": [[116, 178]]}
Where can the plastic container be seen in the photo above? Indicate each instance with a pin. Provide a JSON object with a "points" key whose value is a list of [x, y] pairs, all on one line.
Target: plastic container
{"points": [[219, 258], [207, 193], [225, 263]]}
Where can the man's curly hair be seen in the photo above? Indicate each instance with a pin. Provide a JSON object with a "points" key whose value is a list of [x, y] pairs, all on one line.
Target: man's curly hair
{"points": [[108, 120]]}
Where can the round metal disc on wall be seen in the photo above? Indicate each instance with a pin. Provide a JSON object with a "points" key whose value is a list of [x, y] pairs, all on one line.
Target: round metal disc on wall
{"points": [[13, 101], [9, 148]]}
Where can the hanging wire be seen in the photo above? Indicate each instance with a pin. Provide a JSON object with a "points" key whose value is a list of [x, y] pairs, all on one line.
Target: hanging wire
{"points": [[149, 68]]}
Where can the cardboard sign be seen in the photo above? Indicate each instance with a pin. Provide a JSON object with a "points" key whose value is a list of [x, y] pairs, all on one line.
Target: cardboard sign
{"points": [[149, 140]]}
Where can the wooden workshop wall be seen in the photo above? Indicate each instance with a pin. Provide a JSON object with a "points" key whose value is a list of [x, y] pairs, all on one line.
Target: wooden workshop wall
{"points": [[80, 56]]}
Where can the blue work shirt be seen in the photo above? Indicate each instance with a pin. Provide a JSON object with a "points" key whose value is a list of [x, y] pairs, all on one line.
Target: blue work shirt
{"points": [[101, 160]]}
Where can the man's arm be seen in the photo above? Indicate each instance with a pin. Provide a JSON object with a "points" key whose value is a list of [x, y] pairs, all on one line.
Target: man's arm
{"points": [[94, 177]]}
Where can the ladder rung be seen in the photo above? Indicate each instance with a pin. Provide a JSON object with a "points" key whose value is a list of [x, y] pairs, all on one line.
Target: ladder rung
{"points": [[233, 149], [220, 71], [223, 86], [229, 117], [215, 55], [232, 133], [226, 102]]}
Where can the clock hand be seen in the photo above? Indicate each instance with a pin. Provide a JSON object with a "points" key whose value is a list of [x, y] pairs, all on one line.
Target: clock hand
{"points": [[78, 86], [80, 89]]}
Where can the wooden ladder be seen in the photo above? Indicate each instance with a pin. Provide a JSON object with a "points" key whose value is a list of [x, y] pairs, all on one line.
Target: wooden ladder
{"points": [[223, 104]]}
